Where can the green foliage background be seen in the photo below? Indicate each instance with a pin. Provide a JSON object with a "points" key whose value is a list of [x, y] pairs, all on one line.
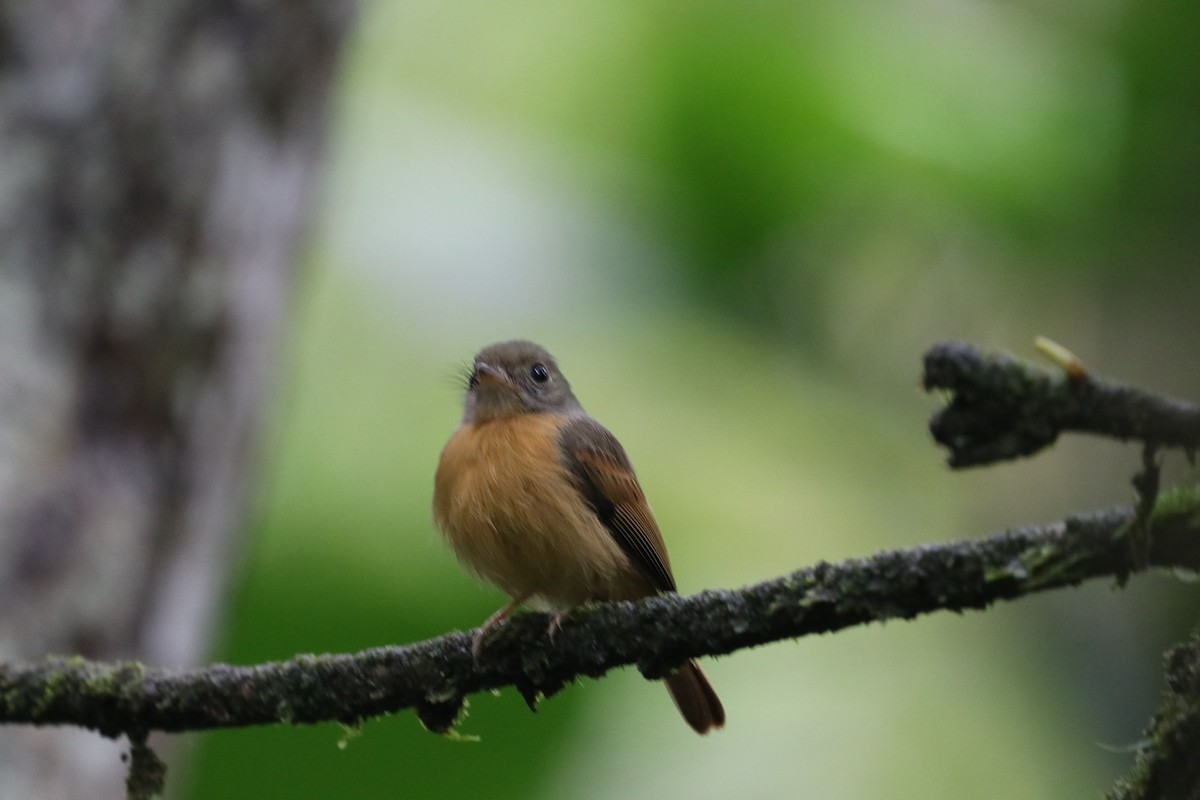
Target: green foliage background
{"points": [[737, 225]]}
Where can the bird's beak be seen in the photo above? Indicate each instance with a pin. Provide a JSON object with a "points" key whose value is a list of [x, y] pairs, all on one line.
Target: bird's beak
{"points": [[490, 375]]}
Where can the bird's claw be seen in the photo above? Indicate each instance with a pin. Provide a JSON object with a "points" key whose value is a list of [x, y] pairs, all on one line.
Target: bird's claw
{"points": [[556, 621], [477, 644]]}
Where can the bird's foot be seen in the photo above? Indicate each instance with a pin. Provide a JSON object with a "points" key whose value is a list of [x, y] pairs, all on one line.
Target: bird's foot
{"points": [[485, 630]]}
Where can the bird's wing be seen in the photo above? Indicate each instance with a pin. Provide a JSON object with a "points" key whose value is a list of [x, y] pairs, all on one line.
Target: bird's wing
{"points": [[606, 479]]}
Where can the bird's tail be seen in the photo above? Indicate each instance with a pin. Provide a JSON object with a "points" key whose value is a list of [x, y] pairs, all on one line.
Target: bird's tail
{"points": [[695, 698]]}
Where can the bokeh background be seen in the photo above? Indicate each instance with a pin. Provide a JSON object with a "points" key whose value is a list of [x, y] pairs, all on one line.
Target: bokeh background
{"points": [[738, 226]]}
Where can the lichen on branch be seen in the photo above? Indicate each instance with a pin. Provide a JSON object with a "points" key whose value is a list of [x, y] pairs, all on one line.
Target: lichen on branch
{"points": [[1002, 408], [999, 409], [656, 634]]}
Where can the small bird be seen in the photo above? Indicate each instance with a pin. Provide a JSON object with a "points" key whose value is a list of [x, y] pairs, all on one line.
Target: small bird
{"points": [[536, 497]]}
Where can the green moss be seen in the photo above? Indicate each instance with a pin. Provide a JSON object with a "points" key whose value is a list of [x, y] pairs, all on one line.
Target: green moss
{"points": [[54, 687], [1036, 567], [1178, 501]]}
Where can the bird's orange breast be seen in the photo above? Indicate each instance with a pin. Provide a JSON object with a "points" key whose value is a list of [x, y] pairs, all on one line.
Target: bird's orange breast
{"points": [[506, 504]]}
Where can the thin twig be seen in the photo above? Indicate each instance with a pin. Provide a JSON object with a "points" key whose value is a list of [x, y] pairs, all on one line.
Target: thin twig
{"points": [[147, 773]]}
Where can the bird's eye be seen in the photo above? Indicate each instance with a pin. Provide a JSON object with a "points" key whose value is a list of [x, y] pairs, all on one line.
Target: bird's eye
{"points": [[539, 373]]}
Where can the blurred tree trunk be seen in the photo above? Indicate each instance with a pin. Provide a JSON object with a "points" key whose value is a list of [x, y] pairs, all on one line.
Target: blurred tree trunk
{"points": [[159, 159]]}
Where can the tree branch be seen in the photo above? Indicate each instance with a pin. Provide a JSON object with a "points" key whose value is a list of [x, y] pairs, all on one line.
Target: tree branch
{"points": [[999, 409], [657, 634], [1002, 408], [1167, 767]]}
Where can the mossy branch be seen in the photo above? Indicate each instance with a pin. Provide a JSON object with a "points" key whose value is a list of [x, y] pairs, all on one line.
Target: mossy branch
{"points": [[657, 634], [999, 409], [1167, 767], [1002, 408]]}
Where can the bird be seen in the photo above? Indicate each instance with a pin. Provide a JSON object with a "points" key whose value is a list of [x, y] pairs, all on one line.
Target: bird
{"points": [[539, 499]]}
